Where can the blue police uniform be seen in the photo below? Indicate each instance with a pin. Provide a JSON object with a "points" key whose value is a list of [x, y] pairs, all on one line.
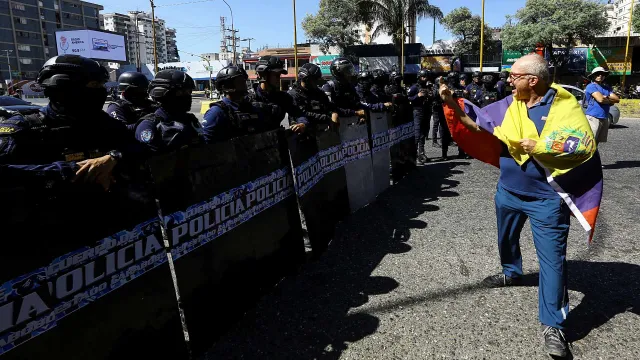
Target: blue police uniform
{"points": [[313, 103], [263, 102], [501, 87], [49, 144], [125, 111], [163, 132], [344, 96], [475, 93], [422, 111], [226, 120], [370, 100], [523, 192]]}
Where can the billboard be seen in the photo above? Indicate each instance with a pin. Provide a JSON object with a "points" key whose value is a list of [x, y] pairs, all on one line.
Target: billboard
{"points": [[611, 58], [324, 62], [92, 44], [436, 63]]}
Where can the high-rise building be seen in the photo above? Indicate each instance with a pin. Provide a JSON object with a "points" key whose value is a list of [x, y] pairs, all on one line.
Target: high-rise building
{"points": [[27, 31], [138, 28], [618, 12]]}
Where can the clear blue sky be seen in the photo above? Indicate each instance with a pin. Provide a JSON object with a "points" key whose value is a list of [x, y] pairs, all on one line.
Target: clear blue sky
{"points": [[271, 22]]}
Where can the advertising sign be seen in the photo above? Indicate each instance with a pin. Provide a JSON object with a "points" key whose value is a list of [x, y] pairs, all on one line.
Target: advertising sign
{"points": [[92, 44], [576, 62], [324, 61], [511, 56], [436, 63], [611, 58]]}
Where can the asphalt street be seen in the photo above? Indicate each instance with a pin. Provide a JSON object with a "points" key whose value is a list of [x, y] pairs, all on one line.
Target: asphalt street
{"points": [[401, 279]]}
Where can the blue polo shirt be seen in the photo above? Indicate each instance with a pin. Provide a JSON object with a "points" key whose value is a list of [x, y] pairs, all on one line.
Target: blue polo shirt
{"points": [[594, 108], [528, 179]]}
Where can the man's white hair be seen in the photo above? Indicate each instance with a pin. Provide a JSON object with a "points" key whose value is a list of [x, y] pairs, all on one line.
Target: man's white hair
{"points": [[536, 65]]}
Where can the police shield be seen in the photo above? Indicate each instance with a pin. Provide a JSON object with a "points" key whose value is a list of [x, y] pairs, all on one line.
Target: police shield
{"points": [[381, 156], [233, 224], [311, 188], [84, 273], [357, 162], [402, 138], [334, 174]]}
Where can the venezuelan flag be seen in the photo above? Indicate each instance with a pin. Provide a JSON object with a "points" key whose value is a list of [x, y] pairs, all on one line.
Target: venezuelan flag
{"points": [[566, 148]]}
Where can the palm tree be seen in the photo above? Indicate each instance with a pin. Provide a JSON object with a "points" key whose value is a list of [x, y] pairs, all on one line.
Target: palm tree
{"points": [[392, 16]]}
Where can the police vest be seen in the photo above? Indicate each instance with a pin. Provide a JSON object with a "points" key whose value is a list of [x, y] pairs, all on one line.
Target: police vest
{"points": [[134, 112], [176, 133], [240, 122], [55, 143]]}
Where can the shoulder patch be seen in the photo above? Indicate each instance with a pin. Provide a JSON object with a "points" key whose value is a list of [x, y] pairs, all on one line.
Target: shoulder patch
{"points": [[7, 129], [146, 135]]}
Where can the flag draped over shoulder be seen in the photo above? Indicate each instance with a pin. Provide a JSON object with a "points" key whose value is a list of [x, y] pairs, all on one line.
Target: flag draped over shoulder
{"points": [[565, 148]]}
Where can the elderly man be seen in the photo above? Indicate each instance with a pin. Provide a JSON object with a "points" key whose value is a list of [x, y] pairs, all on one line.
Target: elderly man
{"points": [[523, 190], [599, 97]]}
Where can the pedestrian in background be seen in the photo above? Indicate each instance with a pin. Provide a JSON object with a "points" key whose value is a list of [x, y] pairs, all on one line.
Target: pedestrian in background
{"points": [[599, 97]]}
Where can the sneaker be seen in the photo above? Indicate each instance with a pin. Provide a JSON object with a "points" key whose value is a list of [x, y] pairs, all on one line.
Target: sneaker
{"points": [[500, 280], [555, 342]]}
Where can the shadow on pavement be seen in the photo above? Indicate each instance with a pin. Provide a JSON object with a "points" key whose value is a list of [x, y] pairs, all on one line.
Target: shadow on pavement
{"points": [[622, 165], [618, 127], [310, 316]]}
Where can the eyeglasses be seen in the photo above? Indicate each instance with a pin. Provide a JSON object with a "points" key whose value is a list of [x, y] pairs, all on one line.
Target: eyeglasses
{"points": [[515, 76]]}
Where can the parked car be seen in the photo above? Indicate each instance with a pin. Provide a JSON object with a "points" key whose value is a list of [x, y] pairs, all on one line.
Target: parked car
{"points": [[614, 112], [10, 105]]}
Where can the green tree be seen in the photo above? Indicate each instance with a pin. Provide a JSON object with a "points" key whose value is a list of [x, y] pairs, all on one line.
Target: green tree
{"points": [[336, 24], [635, 21], [551, 23], [392, 16], [466, 29]]}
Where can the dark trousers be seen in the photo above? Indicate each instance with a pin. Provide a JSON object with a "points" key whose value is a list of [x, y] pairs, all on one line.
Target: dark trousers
{"points": [[549, 219], [421, 119], [435, 127]]}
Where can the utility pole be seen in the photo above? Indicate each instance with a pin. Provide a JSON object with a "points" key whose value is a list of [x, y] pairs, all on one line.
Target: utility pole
{"points": [[233, 32], [626, 52], [153, 25], [233, 39], [138, 63], [249, 40], [295, 40]]}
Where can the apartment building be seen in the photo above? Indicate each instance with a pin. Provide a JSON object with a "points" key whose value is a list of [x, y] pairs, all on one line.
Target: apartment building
{"points": [[27, 32]]}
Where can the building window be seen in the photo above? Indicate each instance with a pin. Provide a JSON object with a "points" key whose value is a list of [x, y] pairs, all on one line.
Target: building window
{"points": [[24, 47], [71, 4], [17, 7], [20, 20], [25, 61]]}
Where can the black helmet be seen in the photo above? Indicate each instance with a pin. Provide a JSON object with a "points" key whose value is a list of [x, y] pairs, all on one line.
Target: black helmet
{"points": [[379, 76], [132, 79], [270, 63], [425, 73], [169, 80], [504, 75], [342, 68], [365, 76], [463, 77], [395, 77], [226, 76], [476, 74], [69, 71], [452, 75], [309, 71], [487, 78]]}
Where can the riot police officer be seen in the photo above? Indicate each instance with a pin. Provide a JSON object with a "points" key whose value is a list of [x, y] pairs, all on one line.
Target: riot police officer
{"points": [[367, 98], [501, 85], [380, 82], [473, 91], [422, 95], [395, 84], [488, 89], [171, 126], [270, 99], [134, 100], [70, 138], [341, 90], [312, 101], [233, 116]]}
